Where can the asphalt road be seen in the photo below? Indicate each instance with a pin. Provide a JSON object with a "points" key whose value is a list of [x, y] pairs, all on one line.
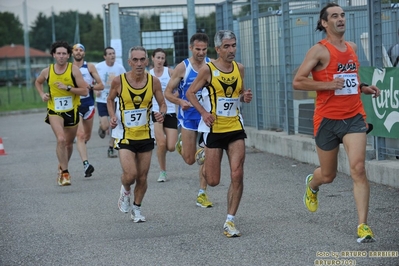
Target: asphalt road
{"points": [[44, 224]]}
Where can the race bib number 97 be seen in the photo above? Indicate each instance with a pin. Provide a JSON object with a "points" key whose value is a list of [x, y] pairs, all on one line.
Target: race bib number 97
{"points": [[135, 118], [227, 106], [350, 85]]}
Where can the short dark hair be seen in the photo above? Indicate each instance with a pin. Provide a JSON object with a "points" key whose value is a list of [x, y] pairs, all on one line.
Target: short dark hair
{"points": [[324, 16], [160, 50], [201, 37], [58, 44], [106, 48]]}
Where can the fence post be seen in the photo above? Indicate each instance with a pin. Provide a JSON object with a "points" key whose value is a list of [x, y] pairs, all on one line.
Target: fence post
{"points": [[258, 80], [375, 42]]}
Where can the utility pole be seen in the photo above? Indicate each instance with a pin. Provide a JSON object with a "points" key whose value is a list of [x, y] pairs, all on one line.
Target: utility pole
{"points": [[52, 23], [191, 24], [77, 33], [27, 53]]}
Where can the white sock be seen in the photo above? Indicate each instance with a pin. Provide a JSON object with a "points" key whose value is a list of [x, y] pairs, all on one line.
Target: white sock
{"points": [[125, 191], [230, 218], [201, 191]]}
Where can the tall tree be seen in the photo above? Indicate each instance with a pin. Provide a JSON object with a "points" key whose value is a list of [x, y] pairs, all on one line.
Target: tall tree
{"points": [[92, 35], [40, 35], [93, 39], [11, 30]]}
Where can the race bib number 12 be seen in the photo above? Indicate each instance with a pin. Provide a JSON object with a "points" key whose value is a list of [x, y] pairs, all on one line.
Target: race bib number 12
{"points": [[63, 103]]}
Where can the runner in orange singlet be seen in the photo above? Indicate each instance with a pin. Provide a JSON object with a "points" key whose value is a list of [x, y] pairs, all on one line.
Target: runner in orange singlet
{"points": [[339, 115]]}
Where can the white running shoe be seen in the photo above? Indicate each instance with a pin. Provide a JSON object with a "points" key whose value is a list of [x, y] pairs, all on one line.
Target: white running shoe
{"points": [[200, 156], [230, 229], [136, 215], [124, 201], [162, 176]]}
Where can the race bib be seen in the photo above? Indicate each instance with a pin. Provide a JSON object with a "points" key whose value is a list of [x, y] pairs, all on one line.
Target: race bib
{"points": [[227, 106], [350, 85], [63, 103], [135, 118], [199, 96], [104, 95]]}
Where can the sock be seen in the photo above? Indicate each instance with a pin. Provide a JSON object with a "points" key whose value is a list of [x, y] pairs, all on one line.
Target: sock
{"points": [[230, 218], [85, 162], [138, 205], [313, 191], [65, 171], [201, 191], [125, 191], [111, 148]]}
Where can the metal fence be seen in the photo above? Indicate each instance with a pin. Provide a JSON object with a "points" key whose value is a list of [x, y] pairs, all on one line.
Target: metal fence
{"points": [[272, 43], [273, 37], [157, 27]]}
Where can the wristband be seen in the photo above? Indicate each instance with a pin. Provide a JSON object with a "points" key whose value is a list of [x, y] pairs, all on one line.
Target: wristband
{"points": [[363, 85]]}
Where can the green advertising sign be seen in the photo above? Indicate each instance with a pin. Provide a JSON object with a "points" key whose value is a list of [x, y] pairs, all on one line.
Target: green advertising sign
{"points": [[382, 112]]}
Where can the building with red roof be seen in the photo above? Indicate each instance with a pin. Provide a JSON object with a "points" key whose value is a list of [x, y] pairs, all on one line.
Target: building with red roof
{"points": [[13, 64]]}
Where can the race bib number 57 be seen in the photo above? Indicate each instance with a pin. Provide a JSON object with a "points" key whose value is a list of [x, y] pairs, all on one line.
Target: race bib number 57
{"points": [[135, 118]]}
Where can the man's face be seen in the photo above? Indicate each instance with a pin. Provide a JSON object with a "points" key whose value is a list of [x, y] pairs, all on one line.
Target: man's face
{"points": [[199, 50], [335, 20], [110, 57], [61, 55], [227, 50], [138, 61], [78, 54]]}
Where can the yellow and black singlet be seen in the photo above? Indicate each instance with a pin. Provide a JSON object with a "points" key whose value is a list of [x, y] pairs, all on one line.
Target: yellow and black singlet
{"points": [[222, 98], [62, 100], [135, 106]]}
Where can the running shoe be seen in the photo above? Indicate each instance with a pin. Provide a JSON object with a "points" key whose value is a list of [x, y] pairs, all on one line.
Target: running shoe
{"points": [[101, 133], [162, 176], [364, 234], [89, 169], [310, 198], [136, 215], [59, 176], [230, 229], [124, 201], [178, 144], [202, 201], [112, 153], [200, 156], [66, 179]]}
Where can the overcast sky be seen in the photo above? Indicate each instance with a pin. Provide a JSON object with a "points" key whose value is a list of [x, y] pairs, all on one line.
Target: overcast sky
{"points": [[93, 6]]}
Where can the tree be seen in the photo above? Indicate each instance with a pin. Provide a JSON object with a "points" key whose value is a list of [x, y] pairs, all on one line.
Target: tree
{"points": [[93, 39], [90, 30], [40, 35], [11, 30], [150, 22]]}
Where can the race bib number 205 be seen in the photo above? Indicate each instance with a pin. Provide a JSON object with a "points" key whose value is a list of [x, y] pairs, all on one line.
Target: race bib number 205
{"points": [[350, 85]]}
